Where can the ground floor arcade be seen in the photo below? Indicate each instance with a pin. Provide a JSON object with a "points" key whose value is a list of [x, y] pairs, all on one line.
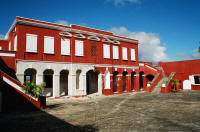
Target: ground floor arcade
{"points": [[70, 79]]}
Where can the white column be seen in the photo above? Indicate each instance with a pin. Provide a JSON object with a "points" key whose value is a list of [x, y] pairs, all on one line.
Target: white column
{"points": [[39, 79], [56, 85], [20, 77], [100, 83], [83, 83], [71, 84]]}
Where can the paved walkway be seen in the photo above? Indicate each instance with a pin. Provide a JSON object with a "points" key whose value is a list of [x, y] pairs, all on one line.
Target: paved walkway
{"points": [[116, 113]]}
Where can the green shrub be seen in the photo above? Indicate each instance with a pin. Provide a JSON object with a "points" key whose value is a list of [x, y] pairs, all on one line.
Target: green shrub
{"points": [[33, 89]]}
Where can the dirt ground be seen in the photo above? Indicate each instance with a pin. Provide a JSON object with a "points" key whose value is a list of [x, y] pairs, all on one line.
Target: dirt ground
{"points": [[128, 112]]}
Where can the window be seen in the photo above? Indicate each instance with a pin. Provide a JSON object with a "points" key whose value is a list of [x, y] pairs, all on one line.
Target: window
{"points": [[196, 79], [133, 54], [115, 52], [65, 46], [31, 43], [15, 43], [78, 48], [106, 51], [0, 48], [124, 53], [49, 45]]}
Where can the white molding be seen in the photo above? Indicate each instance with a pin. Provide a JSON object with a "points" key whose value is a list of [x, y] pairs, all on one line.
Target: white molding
{"points": [[96, 65], [151, 67], [66, 29], [141, 64], [95, 38], [116, 42], [106, 40], [7, 54], [65, 34], [80, 36]]}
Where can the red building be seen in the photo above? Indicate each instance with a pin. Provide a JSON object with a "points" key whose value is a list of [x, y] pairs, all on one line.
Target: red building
{"points": [[74, 60]]}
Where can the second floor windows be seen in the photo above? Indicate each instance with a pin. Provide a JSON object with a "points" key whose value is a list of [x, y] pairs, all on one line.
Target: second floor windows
{"points": [[115, 52], [106, 51], [78, 48], [132, 54], [48, 45], [124, 53], [31, 43], [65, 46], [15, 43]]}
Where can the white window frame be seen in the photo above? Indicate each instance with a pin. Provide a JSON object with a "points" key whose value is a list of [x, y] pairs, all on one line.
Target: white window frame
{"points": [[115, 52], [133, 58], [46, 45], [32, 45], [106, 51], [65, 43], [79, 48], [124, 53], [15, 43]]}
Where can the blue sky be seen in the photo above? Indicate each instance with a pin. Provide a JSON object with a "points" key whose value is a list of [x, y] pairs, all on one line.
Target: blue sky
{"points": [[167, 29]]}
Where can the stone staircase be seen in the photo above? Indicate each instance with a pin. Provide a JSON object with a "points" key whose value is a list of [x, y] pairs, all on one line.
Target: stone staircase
{"points": [[165, 80]]}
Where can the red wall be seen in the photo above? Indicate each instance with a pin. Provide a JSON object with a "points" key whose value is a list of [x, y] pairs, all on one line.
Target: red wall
{"points": [[22, 30], [188, 67], [4, 44]]}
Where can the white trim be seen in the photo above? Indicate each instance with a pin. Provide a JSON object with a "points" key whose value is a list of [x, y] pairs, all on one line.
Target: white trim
{"points": [[8, 81], [141, 64], [116, 42], [7, 54], [80, 36], [64, 29], [95, 38], [151, 67], [96, 65], [65, 34]]}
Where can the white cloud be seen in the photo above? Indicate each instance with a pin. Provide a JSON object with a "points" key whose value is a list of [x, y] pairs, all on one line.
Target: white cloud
{"points": [[2, 37], [149, 44], [190, 56], [120, 3], [62, 22]]}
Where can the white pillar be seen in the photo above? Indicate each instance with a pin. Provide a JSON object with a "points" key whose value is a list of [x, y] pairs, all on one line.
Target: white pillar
{"points": [[56, 85], [39, 79], [100, 83], [20, 77], [83, 83]]}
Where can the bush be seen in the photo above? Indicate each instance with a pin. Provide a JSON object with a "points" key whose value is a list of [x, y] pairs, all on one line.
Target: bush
{"points": [[33, 89]]}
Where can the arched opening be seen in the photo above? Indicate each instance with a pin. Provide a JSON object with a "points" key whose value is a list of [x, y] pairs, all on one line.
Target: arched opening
{"points": [[132, 80], [78, 73], [150, 77], [124, 80], [48, 80], [141, 79], [64, 82], [107, 80], [92, 81], [115, 73], [30, 75]]}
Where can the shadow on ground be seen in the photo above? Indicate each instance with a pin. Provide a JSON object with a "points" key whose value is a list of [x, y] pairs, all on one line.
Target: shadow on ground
{"points": [[37, 121]]}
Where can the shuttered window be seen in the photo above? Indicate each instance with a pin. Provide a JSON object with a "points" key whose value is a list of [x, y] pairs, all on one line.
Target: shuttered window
{"points": [[78, 48], [124, 53], [31, 43], [65, 47], [15, 43], [49, 45], [106, 51], [115, 52], [133, 54]]}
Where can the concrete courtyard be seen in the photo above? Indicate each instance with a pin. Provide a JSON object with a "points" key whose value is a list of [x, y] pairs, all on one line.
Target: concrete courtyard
{"points": [[126, 112]]}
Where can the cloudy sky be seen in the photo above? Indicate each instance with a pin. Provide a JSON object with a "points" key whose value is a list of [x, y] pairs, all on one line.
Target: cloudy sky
{"points": [[167, 30]]}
